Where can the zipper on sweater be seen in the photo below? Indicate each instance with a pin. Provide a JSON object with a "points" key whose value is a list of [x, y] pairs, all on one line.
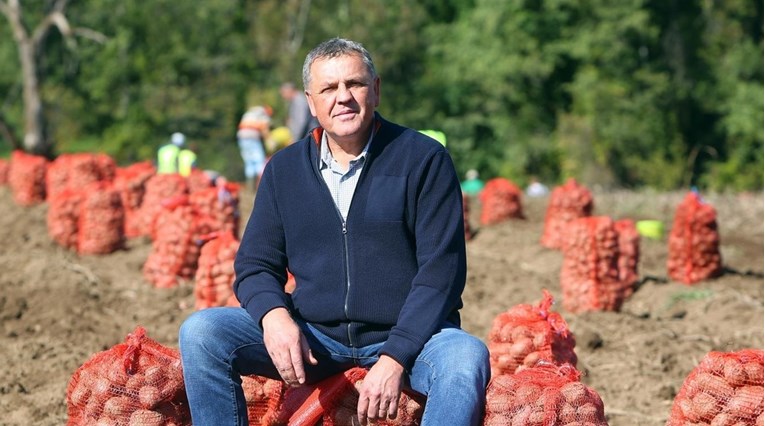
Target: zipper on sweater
{"points": [[347, 280]]}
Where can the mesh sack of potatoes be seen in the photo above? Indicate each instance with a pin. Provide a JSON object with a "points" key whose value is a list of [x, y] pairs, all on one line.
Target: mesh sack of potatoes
{"points": [[136, 383], [694, 242], [526, 334], [567, 202], [545, 394], [725, 388], [501, 200]]}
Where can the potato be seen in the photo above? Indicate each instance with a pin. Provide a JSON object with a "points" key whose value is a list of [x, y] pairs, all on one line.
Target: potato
{"points": [[705, 406], [519, 332], [149, 396], [575, 393], [119, 406], [531, 359], [567, 413], [146, 418], [722, 419], [520, 348], [526, 393], [754, 373], [686, 407], [521, 417], [734, 372], [79, 396], [587, 412], [747, 402]]}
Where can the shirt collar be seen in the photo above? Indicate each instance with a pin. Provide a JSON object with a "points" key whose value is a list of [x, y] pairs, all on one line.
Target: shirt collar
{"points": [[325, 155]]}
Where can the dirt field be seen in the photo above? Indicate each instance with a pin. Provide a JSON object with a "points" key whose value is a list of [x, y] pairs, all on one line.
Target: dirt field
{"points": [[57, 308]]}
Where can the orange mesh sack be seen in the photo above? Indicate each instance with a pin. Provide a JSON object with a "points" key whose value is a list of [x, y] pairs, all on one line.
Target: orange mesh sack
{"points": [[261, 393], [131, 182], [629, 250], [526, 334], [101, 225], [138, 382], [75, 171], [542, 395], [158, 188], [63, 216], [214, 278], [5, 165], [567, 202], [174, 253], [26, 177], [694, 242], [589, 275], [220, 206], [725, 388], [500, 201]]}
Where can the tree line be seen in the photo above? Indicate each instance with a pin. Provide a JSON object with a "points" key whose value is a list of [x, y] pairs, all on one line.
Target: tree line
{"points": [[617, 93]]}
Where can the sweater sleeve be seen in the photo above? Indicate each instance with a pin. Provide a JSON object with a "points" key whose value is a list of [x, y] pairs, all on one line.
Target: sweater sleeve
{"points": [[440, 243], [261, 261]]}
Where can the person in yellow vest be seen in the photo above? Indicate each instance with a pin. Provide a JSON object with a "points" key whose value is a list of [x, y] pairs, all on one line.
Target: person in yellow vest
{"points": [[167, 155], [187, 160]]}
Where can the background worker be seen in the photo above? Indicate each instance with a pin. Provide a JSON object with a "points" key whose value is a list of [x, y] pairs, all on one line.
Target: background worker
{"points": [[367, 215], [300, 121], [167, 155], [253, 130], [187, 160]]}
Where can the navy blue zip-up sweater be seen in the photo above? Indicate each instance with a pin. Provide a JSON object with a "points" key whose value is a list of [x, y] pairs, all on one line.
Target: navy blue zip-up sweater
{"points": [[392, 272]]}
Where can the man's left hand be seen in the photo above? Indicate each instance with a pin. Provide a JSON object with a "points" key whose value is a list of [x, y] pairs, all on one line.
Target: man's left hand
{"points": [[380, 390]]}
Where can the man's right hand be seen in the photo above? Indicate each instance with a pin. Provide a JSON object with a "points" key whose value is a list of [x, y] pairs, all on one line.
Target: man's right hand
{"points": [[286, 346]]}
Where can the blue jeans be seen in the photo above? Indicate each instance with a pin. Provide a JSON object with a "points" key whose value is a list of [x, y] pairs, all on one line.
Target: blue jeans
{"points": [[254, 157], [218, 345]]}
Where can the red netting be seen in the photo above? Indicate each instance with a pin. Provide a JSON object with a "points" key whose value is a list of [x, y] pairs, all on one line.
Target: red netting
{"points": [[75, 171], [261, 394], [220, 205], [500, 201], [725, 388], [158, 188], [542, 395], [63, 217], [139, 382], [26, 177], [567, 202], [629, 250], [102, 220], [589, 276], [694, 242], [131, 182], [526, 334], [5, 165], [174, 252], [214, 278]]}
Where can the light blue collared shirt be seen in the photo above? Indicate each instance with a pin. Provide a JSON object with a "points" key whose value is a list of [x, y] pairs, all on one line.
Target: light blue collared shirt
{"points": [[341, 183]]}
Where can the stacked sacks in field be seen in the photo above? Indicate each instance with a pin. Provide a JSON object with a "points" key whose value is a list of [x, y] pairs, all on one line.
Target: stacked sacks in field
{"points": [[5, 165], [63, 217], [332, 402], [500, 201], [545, 394], [629, 250], [26, 178], [138, 382], [567, 202], [214, 277], [219, 206], [198, 180], [725, 388], [101, 224], [694, 242], [526, 334], [131, 182], [158, 188], [75, 171], [590, 276], [174, 251]]}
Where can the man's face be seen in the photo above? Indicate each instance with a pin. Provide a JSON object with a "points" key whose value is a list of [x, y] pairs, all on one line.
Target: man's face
{"points": [[343, 97]]}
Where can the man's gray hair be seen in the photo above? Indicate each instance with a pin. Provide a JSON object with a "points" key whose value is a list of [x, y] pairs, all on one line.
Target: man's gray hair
{"points": [[333, 48]]}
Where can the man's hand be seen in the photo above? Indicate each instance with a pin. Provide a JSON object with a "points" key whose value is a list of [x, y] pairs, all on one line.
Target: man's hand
{"points": [[286, 346], [380, 390]]}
